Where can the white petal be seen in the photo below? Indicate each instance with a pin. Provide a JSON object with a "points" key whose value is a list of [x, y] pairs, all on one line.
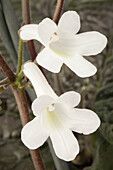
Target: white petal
{"points": [[90, 43], [41, 103], [80, 66], [62, 110], [69, 24], [46, 28], [38, 80], [29, 32], [49, 60], [84, 121], [70, 98], [63, 47], [34, 134], [65, 144]]}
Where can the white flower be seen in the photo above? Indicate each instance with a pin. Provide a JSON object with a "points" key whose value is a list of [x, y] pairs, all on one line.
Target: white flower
{"points": [[56, 118], [64, 45]]}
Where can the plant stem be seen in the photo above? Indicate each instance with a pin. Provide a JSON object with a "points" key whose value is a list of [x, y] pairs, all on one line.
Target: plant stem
{"points": [[20, 56], [26, 20], [5, 68], [4, 81], [21, 100], [26, 11], [58, 11], [20, 75]]}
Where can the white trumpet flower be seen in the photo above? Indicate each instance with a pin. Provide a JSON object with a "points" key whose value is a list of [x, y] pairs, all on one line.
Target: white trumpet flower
{"points": [[56, 117], [64, 45]]}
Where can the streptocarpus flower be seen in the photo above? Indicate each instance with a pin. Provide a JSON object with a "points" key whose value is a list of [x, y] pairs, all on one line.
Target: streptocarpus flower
{"points": [[64, 45], [56, 118]]}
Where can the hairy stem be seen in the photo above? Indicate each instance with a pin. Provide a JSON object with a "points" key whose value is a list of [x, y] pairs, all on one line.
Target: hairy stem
{"points": [[26, 20], [21, 100], [5, 68], [58, 11]]}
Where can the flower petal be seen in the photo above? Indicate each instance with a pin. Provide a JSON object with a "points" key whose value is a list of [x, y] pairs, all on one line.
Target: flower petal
{"points": [[69, 24], [49, 60], [90, 43], [65, 144], [34, 134], [38, 80], [64, 46], [80, 66], [84, 121], [70, 98], [41, 103], [29, 32], [45, 29]]}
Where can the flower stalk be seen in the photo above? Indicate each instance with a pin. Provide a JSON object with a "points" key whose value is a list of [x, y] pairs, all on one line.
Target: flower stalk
{"points": [[20, 56], [19, 78], [19, 72]]}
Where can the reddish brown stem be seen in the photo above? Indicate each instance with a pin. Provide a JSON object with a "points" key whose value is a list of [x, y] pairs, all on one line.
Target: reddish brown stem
{"points": [[32, 49], [36, 158], [58, 11], [21, 100], [26, 20], [26, 11], [7, 71]]}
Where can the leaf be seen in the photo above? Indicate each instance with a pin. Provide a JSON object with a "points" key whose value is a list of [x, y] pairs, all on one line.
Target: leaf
{"points": [[6, 38], [104, 108], [11, 21], [9, 28], [103, 160]]}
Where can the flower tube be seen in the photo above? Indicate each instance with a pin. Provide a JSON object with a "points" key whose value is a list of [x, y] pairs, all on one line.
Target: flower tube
{"points": [[37, 79]]}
